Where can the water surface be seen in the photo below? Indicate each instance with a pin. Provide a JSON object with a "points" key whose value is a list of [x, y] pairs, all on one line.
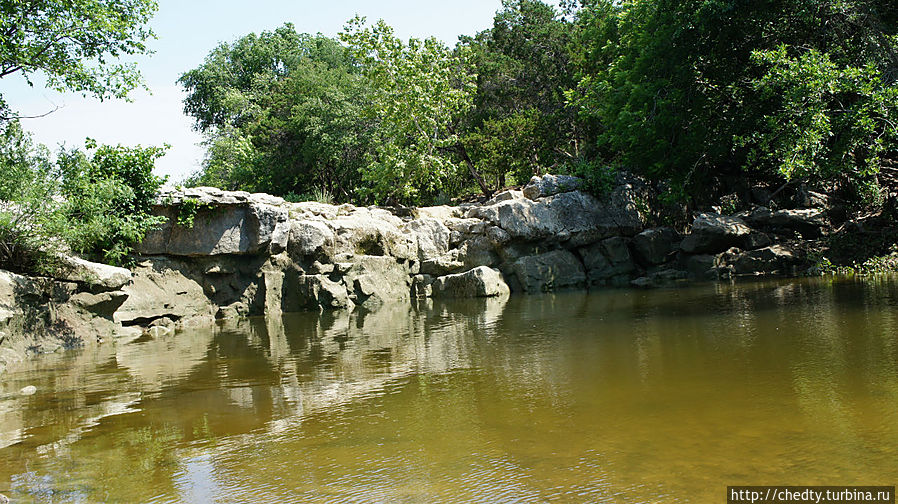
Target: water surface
{"points": [[620, 396]]}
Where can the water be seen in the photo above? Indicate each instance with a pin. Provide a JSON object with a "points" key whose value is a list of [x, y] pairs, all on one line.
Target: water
{"points": [[621, 396]]}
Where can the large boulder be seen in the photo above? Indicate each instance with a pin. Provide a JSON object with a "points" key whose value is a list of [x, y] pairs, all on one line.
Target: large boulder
{"points": [[546, 272], [478, 282], [309, 238], [376, 280], [225, 222], [608, 262], [809, 222], [318, 291], [573, 217], [161, 290], [776, 259], [715, 233], [431, 235], [548, 185], [373, 232], [96, 276], [655, 246]]}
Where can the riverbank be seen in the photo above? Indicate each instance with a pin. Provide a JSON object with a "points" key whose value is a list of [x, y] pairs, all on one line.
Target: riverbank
{"points": [[228, 254]]}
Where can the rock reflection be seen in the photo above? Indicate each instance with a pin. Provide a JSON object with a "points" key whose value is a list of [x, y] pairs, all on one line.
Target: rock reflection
{"points": [[629, 396]]}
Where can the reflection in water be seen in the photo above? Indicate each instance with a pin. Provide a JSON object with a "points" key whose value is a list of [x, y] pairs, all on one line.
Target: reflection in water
{"points": [[622, 396]]}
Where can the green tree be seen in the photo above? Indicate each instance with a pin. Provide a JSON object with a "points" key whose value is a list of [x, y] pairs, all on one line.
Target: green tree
{"points": [[95, 202], [70, 43], [420, 92], [281, 113], [521, 123], [692, 90]]}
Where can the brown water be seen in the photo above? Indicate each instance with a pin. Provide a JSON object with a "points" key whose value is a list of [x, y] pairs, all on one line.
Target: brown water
{"points": [[621, 396]]}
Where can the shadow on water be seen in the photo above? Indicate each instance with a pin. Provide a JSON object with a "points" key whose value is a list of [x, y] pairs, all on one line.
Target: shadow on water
{"points": [[619, 396]]}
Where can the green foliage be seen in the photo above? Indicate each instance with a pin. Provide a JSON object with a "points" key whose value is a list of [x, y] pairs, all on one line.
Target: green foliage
{"points": [[281, 112], [69, 43], [521, 122], [187, 210], [500, 147], [419, 92], [108, 196], [31, 220], [598, 179], [830, 120], [96, 204], [687, 90]]}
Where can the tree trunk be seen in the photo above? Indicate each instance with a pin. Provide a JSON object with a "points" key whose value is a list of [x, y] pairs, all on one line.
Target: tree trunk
{"points": [[483, 187]]}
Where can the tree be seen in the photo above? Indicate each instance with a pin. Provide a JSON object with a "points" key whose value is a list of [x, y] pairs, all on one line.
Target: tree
{"points": [[779, 90], [521, 122], [70, 42], [95, 202], [420, 91], [282, 113]]}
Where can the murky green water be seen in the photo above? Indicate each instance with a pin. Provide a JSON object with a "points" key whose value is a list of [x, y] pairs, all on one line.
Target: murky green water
{"points": [[621, 396]]}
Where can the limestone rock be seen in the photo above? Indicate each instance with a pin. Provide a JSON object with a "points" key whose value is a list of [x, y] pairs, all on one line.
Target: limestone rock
{"points": [[431, 236], [104, 304], [505, 196], [552, 270], [422, 286], [372, 232], [769, 260], [810, 222], [310, 239], [318, 291], [655, 246], [701, 267], [714, 233], [608, 262], [550, 185], [377, 280], [220, 229], [478, 282], [101, 276], [160, 289], [446, 263], [573, 217]]}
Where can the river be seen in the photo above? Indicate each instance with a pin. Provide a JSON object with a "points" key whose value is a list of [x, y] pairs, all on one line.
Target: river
{"points": [[629, 396]]}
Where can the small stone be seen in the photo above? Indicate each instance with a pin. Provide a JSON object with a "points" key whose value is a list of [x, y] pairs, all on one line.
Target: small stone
{"points": [[30, 390]]}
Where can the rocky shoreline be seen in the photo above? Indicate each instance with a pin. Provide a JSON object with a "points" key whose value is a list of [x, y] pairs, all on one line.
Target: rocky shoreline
{"points": [[234, 254]]}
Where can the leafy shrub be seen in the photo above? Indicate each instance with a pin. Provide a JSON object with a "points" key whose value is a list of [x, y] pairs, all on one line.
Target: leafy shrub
{"points": [[96, 204]]}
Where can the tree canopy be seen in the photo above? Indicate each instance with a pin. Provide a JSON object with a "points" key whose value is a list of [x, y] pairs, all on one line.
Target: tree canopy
{"points": [[74, 44], [691, 93]]}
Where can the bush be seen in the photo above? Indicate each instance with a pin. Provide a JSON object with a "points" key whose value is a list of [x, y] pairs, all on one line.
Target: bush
{"points": [[97, 205]]}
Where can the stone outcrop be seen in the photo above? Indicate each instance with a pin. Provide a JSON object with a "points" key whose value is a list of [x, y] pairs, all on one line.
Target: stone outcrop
{"points": [[478, 282], [715, 233], [228, 254], [546, 272], [550, 185]]}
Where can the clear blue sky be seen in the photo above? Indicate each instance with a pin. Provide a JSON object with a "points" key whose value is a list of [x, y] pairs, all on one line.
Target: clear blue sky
{"points": [[187, 30]]}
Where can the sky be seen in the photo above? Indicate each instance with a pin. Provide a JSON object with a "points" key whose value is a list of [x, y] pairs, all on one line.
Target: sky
{"points": [[187, 31]]}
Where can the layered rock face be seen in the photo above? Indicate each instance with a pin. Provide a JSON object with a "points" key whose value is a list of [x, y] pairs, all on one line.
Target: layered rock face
{"points": [[229, 254], [250, 254]]}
